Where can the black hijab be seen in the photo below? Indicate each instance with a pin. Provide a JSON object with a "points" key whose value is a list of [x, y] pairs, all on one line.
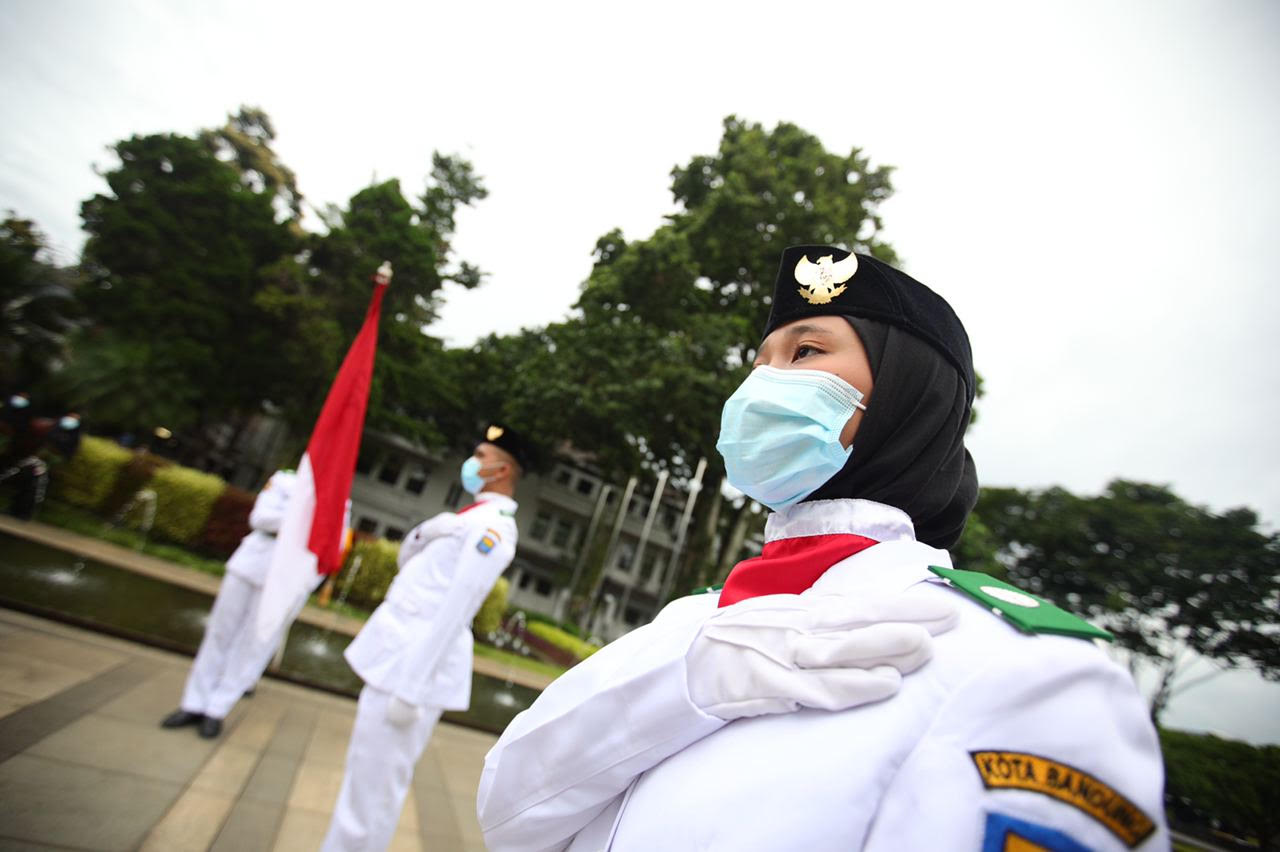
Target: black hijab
{"points": [[909, 449]]}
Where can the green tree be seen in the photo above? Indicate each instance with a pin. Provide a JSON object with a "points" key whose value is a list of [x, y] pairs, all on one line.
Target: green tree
{"points": [[418, 387], [175, 257], [245, 142], [1170, 579], [666, 326], [1224, 784], [38, 309]]}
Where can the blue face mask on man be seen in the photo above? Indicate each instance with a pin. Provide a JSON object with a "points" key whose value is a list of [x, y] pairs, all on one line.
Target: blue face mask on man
{"points": [[780, 433], [470, 476]]}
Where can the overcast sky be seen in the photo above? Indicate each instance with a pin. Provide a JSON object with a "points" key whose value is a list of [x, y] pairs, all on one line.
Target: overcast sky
{"points": [[1095, 186]]}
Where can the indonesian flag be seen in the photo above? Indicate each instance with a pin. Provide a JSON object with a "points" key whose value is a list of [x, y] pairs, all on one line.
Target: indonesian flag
{"points": [[309, 542]]}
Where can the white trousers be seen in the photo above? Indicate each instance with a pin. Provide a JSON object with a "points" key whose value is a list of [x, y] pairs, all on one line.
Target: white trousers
{"points": [[230, 659], [380, 761]]}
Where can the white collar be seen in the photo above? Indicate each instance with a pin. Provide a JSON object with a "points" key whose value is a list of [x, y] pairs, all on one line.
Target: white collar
{"points": [[866, 518], [489, 496]]}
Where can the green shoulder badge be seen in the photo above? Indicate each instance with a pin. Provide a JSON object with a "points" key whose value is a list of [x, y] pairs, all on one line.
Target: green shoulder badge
{"points": [[706, 590], [1028, 613]]}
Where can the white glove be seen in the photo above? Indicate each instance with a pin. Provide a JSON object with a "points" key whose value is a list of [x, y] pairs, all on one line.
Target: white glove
{"points": [[401, 713], [443, 524], [777, 653]]}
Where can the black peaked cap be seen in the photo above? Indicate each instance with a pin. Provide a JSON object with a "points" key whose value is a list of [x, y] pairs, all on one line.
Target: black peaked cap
{"points": [[503, 436], [815, 281]]}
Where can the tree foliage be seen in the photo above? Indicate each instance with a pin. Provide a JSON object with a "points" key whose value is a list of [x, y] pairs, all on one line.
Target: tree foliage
{"points": [[1223, 784], [38, 309], [1165, 576]]}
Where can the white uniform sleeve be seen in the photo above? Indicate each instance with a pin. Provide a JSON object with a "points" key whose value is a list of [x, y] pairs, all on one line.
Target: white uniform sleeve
{"points": [[594, 730], [268, 508], [1051, 745], [481, 560], [423, 534]]}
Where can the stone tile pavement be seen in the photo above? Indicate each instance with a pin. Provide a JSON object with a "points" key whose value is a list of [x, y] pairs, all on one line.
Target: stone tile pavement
{"points": [[84, 764]]}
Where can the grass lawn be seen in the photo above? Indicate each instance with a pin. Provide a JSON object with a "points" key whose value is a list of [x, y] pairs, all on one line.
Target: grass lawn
{"points": [[517, 661]]}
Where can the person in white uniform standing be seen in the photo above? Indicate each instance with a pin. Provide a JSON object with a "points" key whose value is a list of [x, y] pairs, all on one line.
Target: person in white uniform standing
{"points": [[848, 688], [231, 658], [414, 654]]}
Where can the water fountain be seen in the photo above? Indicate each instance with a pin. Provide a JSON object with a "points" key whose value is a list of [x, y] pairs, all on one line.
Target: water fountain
{"points": [[143, 498], [56, 584]]}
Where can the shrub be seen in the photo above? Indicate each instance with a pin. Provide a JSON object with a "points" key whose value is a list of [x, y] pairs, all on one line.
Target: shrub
{"points": [[377, 570], [562, 640], [184, 498], [88, 476], [228, 522], [489, 618]]}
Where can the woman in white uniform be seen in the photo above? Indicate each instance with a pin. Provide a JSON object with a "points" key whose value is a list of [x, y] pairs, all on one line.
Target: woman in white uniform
{"points": [[849, 688]]}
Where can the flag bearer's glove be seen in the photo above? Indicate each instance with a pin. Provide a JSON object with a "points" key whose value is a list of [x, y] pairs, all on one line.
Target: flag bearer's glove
{"points": [[777, 653], [401, 713]]}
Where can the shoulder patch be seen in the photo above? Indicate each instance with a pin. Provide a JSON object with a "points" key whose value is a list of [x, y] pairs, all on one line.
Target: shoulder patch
{"points": [[1007, 834], [1015, 770], [488, 541], [507, 513], [706, 590], [1026, 612]]}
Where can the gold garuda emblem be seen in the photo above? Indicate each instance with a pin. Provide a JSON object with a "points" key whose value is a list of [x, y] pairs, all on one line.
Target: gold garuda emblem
{"points": [[494, 433], [822, 281]]}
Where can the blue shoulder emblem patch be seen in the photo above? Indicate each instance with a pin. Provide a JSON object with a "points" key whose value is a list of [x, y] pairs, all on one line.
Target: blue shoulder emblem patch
{"points": [[488, 541], [1007, 834]]}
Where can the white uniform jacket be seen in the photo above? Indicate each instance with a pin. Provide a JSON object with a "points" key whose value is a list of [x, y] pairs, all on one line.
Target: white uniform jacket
{"points": [[417, 644], [252, 557], [1003, 737]]}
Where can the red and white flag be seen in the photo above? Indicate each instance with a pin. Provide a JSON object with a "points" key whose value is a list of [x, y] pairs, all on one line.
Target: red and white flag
{"points": [[309, 542]]}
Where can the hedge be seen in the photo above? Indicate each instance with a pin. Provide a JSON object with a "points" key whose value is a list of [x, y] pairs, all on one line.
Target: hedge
{"points": [[377, 570], [88, 476], [184, 499], [228, 522], [562, 639], [489, 618]]}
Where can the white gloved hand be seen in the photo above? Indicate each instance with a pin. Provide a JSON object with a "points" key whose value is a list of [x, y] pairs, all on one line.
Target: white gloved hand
{"points": [[777, 653], [401, 713]]}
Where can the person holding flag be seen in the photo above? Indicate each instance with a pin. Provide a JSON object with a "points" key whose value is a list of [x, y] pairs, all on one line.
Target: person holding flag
{"points": [[299, 534], [414, 653]]}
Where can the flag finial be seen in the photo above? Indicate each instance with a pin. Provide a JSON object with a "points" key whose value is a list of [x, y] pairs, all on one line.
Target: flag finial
{"points": [[383, 275]]}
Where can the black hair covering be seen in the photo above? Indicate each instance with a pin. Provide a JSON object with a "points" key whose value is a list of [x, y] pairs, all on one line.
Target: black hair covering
{"points": [[909, 448]]}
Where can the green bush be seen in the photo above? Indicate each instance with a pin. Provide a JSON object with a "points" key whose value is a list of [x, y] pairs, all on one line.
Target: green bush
{"points": [[87, 477], [377, 570], [489, 618], [184, 498], [561, 639], [228, 522]]}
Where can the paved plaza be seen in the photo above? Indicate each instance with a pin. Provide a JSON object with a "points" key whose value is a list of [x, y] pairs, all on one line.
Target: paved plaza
{"points": [[85, 765]]}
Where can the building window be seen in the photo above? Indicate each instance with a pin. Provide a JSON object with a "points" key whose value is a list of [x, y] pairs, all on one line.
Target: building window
{"points": [[367, 525], [586, 487], [366, 461], [416, 481], [541, 523], [669, 519], [393, 534], [563, 476], [543, 587], [651, 560], [563, 533], [631, 616], [454, 496], [391, 469], [526, 580]]}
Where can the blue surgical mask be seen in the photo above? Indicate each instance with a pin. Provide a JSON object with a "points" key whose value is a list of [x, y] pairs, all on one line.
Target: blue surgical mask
{"points": [[471, 478], [69, 423], [780, 433]]}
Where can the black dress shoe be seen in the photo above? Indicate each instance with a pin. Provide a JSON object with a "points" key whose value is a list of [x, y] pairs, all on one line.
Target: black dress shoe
{"points": [[181, 718], [248, 693], [210, 727]]}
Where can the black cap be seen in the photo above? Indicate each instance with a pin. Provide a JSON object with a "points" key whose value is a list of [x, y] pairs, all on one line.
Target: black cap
{"points": [[826, 280], [504, 437]]}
